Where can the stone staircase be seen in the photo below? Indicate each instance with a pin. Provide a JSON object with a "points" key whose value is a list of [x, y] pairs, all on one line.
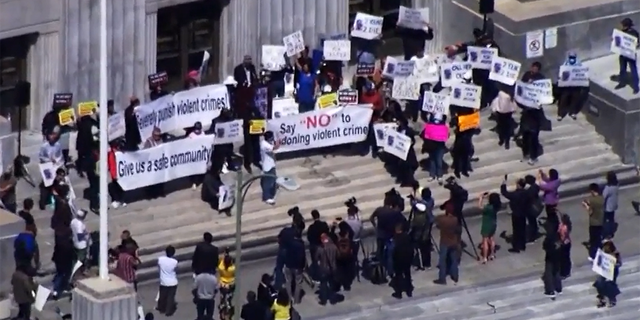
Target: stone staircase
{"points": [[180, 219], [518, 299]]}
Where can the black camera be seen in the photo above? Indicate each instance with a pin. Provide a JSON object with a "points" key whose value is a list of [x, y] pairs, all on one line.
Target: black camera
{"points": [[351, 202], [451, 181], [395, 198]]}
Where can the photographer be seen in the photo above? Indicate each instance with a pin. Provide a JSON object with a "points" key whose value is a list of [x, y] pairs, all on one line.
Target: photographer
{"points": [[520, 202], [457, 197], [354, 222], [384, 219], [421, 226]]}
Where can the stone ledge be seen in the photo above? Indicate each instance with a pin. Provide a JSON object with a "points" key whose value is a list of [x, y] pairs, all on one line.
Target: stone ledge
{"points": [[98, 289]]}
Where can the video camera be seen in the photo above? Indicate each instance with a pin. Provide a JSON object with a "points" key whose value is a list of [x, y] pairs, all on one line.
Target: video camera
{"points": [[395, 198]]}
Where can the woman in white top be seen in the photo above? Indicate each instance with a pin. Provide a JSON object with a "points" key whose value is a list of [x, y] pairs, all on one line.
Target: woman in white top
{"points": [[168, 282], [503, 108]]}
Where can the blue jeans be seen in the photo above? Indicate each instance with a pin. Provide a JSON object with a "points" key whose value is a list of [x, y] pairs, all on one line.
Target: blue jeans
{"points": [[268, 184], [625, 62], [277, 86], [448, 263], [325, 289], [278, 273], [60, 281], [609, 224], [436, 162]]}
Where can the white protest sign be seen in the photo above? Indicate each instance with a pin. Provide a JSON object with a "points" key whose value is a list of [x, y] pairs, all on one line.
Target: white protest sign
{"points": [[284, 107], [604, 265], [534, 94], [452, 73], [406, 88], [573, 76], [41, 297], [366, 26], [294, 43], [395, 68], [624, 44], [117, 126], [534, 48], [226, 197], [397, 144], [273, 57], [48, 172], [426, 69], [381, 129], [182, 110], [504, 70], [436, 103], [544, 90], [166, 162], [322, 128], [415, 19], [466, 95], [337, 50], [228, 132], [76, 267], [481, 57]]}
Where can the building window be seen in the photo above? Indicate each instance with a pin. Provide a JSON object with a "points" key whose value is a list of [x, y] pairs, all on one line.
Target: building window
{"points": [[13, 68]]}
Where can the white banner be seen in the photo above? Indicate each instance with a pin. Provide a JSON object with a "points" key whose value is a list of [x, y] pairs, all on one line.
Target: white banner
{"points": [[117, 126], [406, 88], [163, 163], [534, 94], [395, 68], [481, 57], [48, 172], [381, 129], [452, 73], [604, 264], [273, 57], [366, 26], [294, 43], [229, 132], [397, 144], [284, 107], [504, 70], [573, 76], [337, 50], [182, 110], [226, 197], [624, 44], [426, 69], [466, 95], [322, 128], [415, 19], [436, 103]]}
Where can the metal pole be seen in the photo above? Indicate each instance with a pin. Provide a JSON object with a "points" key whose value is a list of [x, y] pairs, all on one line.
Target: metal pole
{"points": [[104, 124], [238, 255]]}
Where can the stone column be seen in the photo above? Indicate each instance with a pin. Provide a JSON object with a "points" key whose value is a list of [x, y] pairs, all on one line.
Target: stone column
{"points": [[98, 299], [44, 75], [436, 19], [8, 144]]}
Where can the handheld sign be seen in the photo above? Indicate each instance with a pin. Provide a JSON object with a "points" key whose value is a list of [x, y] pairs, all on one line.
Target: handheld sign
{"points": [[469, 121], [573, 76], [273, 57], [380, 130], [347, 96], [436, 132], [397, 144], [87, 108], [158, 79], [229, 132], [337, 50], [328, 100], [604, 265], [466, 95], [481, 57], [257, 126], [62, 100], [66, 117], [411, 18], [366, 26], [406, 89], [365, 69], [436, 103], [293, 43], [504, 70], [284, 107], [453, 72], [624, 44]]}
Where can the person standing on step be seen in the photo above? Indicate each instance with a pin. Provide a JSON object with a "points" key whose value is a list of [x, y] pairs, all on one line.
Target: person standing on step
{"points": [[610, 194], [205, 256], [571, 99], [628, 77], [536, 208], [594, 205], [531, 120], [402, 258], [167, 265], [551, 274], [316, 229], [549, 184], [503, 107], [608, 289], [450, 230], [489, 224], [564, 231], [196, 180], [520, 204], [268, 146]]}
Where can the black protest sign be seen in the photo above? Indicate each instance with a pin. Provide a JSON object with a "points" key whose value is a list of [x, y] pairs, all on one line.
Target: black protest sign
{"points": [[365, 69], [62, 100], [159, 78], [348, 96]]}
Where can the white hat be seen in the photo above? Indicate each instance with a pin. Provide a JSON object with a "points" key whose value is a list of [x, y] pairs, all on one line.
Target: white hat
{"points": [[467, 76], [230, 80]]}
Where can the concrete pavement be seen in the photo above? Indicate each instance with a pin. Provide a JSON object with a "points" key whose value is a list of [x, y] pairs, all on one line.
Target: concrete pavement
{"points": [[365, 296]]}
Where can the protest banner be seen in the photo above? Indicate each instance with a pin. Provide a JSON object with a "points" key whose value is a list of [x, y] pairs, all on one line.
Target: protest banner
{"points": [[395, 68], [573, 76], [481, 57], [284, 107], [469, 121], [426, 69], [534, 94], [406, 88], [466, 95], [436, 132], [347, 97], [337, 50], [117, 126], [436, 103], [48, 171], [380, 130], [182, 110], [66, 117], [166, 162], [257, 126], [366, 26], [504, 70], [322, 128], [410, 18], [293, 43], [365, 69], [87, 108], [453, 72], [397, 144], [604, 265], [273, 57], [624, 44], [229, 132], [327, 100], [226, 197]]}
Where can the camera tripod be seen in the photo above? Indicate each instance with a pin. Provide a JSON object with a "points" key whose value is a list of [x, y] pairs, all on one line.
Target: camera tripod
{"points": [[462, 221], [19, 166]]}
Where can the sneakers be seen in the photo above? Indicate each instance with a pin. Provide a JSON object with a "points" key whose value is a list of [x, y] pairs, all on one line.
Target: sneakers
{"points": [[551, 295], [194, 187], [270, 201], [532, 161], [115, 204]]}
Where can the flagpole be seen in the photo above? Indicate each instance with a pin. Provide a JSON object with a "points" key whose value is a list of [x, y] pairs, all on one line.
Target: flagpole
{"points": [[104, 124]]}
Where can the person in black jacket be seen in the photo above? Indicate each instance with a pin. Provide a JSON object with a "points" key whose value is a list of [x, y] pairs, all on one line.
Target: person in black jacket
{"points": [[253, 309], [245, 73], [413, 41], [551, 276], [531, 120], [407, 168], [206, 255], [266, 291], [85, 144], [536, 208], [132, 133], [624, 77], [157, 92], [295, 262], [402, 258], [63, 258], [520, 204], [316, 229]]}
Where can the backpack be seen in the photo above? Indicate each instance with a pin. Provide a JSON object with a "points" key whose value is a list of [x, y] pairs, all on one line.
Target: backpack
{"points": [[344, 248]]}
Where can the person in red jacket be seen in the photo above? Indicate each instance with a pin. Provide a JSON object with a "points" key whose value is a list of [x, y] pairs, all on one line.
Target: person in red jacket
{"points": [[115, 191], [372, 96]]}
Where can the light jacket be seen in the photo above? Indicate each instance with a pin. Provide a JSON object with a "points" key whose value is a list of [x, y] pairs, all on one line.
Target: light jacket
{"points": [[503, 103]]}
